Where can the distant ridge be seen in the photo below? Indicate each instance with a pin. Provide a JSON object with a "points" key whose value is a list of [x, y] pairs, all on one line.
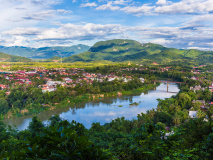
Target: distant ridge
{"points": [[10, 58], [121, 50], [44, 52]]}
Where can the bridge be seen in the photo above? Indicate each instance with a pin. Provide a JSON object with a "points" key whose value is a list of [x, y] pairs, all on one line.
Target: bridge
{"points": [[164, 81]]}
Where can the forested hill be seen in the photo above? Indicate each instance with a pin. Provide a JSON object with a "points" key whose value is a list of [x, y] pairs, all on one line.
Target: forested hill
{"points": [[44, 52], [10, 58], [119, 50]]}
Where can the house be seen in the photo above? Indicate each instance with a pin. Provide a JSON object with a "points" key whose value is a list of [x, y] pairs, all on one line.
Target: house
{"points": [[155, 63], [193, 78], [66, 79], [7, 93], [49, 89], [142, 80], [210, 103], [193, 114], [201, 101], [2, 86]]}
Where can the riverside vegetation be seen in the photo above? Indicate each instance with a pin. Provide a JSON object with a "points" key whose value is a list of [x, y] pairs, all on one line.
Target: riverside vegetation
{"points": [[142, 138], [164, 133]]}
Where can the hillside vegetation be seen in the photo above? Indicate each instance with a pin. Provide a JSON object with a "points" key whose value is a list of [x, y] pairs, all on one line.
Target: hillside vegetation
{"points": [[10, 58], [120, 50]]}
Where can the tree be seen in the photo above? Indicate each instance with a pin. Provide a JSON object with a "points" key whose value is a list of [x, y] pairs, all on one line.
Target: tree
{"points": [[54, 120], [200, 114], [35, 126], [176, 120], [60, 144], [184, 100], [207, 95], [4, 107], [2, 94], [96, 127]]}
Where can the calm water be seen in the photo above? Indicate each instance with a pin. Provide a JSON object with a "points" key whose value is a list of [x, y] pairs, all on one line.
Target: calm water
{"points": [[103, 110]]}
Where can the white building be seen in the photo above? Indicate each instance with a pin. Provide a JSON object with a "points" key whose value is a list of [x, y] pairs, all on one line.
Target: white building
{"points": [[192, 114]]}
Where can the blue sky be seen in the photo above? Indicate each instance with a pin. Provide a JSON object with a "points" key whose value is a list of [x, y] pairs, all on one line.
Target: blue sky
{"points": [[186, 24]]}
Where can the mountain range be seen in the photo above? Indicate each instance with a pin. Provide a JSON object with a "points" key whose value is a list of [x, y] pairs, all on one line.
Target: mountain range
{"points": [[44, 52], [10, 58], [117, 50], [121, 50]]}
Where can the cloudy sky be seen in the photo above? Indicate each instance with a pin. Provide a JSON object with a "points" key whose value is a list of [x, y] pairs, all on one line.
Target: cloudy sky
{"points": [[175, 23]]}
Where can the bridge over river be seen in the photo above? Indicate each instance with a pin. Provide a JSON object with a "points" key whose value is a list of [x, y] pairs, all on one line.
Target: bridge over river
{"points": [[164, 81]]}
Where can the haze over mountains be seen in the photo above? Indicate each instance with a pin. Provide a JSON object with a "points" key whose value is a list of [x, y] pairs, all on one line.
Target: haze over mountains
{"points": [[117, 50], [44, 52]]}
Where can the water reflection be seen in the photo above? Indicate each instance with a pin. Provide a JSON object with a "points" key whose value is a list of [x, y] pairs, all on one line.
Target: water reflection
{"points": [[104, 110]]}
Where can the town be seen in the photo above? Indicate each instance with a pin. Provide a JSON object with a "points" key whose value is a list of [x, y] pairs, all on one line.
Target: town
{"points": [[48, 80]]}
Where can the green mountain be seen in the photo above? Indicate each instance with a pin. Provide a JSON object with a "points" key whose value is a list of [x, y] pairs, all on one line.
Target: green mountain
{"points": [[44, 52], [10, 58], [120, 50]]}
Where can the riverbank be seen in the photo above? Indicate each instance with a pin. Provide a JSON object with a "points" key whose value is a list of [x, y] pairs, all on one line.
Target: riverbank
{"points": [[71, 101]]}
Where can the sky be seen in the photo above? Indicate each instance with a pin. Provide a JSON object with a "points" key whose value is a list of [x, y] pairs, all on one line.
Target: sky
{"points": [[183, 24]]}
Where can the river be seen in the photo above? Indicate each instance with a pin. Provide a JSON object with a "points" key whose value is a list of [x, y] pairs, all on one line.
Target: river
{"points": [[103, 110]]}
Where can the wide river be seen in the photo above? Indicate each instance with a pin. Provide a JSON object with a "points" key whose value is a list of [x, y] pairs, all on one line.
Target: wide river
{"points": [[103, 110]]}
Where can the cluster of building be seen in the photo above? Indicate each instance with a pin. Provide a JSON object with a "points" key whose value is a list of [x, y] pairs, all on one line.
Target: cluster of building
{"points": [[66, 77], [198, 88]]}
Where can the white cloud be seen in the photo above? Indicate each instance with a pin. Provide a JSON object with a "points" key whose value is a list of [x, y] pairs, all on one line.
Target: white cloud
{"points": [[121, 2], [108, 6], [200, 48], [38, 16], [210, 44], [81, 32], [161, 2], [161, 7], [162, 41], [191, 43], [144, 9], [27, 22], [186, 7], [63, 11], [65, 34], [22, 31], [13, 13], [16, 41], [93, 4], [199, 21]]}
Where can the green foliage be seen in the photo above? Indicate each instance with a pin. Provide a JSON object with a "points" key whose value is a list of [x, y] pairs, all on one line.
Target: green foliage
{"points": [[4, 107], [9, 58], [120, 50], [35, 127]]}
